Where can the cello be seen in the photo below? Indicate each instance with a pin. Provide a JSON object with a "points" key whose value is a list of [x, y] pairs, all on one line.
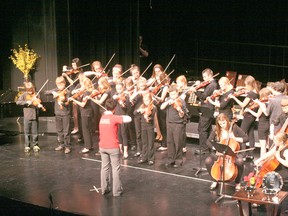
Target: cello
{"points": [[231, 170], [271, 163]]}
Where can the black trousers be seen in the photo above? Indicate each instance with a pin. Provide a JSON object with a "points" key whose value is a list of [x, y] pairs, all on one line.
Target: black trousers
{"points": [[148, 150], [86, 122], [137, 123], [247, 125], [123, 134], [63, 130], [204, 128], [175, 142]]}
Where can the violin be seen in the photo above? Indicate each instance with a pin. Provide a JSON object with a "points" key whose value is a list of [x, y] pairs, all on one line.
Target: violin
{"points": [[35, 101], [157, 88], [237, 93], [202, 85], [72, 71], [78, 94], [61, 97], [215, 94], [177, 104], [255, 105], [95, 93], [147, 112], [121, 99]]}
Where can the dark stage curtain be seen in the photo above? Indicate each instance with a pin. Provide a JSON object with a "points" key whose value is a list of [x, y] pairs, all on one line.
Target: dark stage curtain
{"points": [[94, 30]]}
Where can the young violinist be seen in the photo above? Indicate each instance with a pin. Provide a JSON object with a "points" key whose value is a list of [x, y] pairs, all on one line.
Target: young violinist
{"points": [[101, 94], [148, 112], [182, 89], [30, 104], [248, 121], [160, 92], [221, 102], [205, 120], [136, 101], [176, 118], [157, 70], [130, 109], [62, 114], [116, 76], [224, 130], [86, 113], [263, 120], [135, 73], [72, 74], [121, 109]]}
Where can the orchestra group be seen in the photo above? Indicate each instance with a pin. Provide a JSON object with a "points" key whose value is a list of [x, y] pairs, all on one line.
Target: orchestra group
{"points": [[156, 109]]}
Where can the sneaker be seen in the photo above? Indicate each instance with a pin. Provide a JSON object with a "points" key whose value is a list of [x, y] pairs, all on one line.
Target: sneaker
{"points": [[213, 185], [84, 150], [184, 150], [74, 131], [27, 149], [137, 154], [125, 156], [67, 150], [59, 148], [162, 148], [36, 148]]}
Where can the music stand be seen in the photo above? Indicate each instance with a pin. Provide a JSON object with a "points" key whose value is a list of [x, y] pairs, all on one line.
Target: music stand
{"points": [[207, 112], [225, 150]]}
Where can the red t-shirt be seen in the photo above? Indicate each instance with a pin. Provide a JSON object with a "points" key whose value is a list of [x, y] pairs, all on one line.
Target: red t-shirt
{"points": [[108, 130]]}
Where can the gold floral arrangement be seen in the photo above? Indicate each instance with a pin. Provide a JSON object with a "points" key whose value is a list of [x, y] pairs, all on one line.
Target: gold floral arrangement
{"points": [[24, 59]]}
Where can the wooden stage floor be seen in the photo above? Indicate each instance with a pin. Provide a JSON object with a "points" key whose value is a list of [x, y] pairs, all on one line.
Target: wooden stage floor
{"points": [[52, 183]]}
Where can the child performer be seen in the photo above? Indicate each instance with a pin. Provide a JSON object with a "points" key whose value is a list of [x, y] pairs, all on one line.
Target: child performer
{"points": [[30, 103], [109, 148], [86, 114], [62, 114], [148, 112], [176, 118], [136, 101], [121, 109]]}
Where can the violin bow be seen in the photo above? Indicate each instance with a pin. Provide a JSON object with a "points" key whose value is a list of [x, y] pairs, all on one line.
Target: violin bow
{"points": [[169, 62], [84, 65], [105, 65], [141, 74], [153, 99], [99, 104], [125, 72], [40, 89], [69, 85]]}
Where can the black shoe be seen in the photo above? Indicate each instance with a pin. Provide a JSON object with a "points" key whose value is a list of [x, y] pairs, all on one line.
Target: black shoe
{"points": [[141, 161], [203, 151], [170, 164], [106, 192]]}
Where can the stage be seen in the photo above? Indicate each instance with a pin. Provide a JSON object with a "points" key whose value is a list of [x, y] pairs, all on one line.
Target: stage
{"points": [[54, 183]]}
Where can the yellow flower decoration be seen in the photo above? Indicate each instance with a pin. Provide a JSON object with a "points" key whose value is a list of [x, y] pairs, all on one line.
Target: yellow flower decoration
{"points": [[24, 59]]}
